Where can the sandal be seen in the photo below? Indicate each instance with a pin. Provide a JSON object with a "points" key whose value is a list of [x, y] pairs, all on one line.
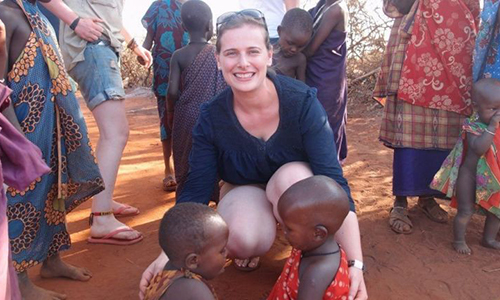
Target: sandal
{"points": [[122, 211], [400, 214], [110, 238], [247, 268], [169, 184], [433, 211]]}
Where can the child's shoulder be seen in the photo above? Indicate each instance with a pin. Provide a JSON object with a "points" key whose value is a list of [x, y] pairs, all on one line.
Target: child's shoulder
{"points": [[10, 11], [188, 288]]}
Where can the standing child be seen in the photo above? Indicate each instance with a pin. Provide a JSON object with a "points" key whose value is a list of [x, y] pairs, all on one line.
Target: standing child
{"points": [[326, 65], [165, 34], [312, 211], [294, 33], [471, 172], [194, 237], [194, 79]]}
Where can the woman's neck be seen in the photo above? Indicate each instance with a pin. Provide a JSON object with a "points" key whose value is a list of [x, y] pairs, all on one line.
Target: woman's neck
{"points": [[257, 100]]}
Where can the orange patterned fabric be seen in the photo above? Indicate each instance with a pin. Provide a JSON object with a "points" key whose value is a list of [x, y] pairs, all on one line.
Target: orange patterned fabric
{"points": [[437, 71], [287, 286], [162, 281]]}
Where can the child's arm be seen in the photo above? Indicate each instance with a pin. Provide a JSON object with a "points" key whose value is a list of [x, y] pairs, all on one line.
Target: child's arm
{"points": [[330, 19], [479, 144], [300, 73], [188, 289], [174, 82], [315, 280], [148, 42]]}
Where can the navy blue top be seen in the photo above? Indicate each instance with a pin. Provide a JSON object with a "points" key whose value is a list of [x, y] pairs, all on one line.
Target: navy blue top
{"points": [[222, 146]]}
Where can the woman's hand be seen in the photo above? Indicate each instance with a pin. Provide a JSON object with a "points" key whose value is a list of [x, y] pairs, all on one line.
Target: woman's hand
{"points": [[357, 290], [89, 29], [154, 268], [144, 55]]}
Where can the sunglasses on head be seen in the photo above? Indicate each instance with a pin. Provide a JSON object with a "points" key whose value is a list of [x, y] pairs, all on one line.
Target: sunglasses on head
{"points": [[252, 13]]}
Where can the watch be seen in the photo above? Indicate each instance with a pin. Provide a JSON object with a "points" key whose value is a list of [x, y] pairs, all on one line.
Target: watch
{"points": [[356, 264]]}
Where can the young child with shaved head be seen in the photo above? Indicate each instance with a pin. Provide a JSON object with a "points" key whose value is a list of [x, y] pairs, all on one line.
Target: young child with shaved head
{"points": [[471, 172], [194, 237], [313, 211]]}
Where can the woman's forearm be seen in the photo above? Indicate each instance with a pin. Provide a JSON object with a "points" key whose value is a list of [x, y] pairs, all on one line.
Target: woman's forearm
{"points": [[348, 236]]}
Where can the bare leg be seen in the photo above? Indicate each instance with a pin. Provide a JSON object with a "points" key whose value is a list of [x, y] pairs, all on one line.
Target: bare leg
{"points": [[466, 194], [29, 291], [282, 179], [113, 135], [169, 179], [491, 227], [252, 227], [55, 267]]}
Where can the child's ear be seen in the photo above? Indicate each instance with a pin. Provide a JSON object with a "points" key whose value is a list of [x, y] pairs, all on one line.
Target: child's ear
{"points": [[279, 30], [184, 27], [192, 261], [320, 232]]}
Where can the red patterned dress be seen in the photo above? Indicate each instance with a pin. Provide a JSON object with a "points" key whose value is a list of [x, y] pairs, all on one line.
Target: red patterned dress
{"points": [[287, 286]]}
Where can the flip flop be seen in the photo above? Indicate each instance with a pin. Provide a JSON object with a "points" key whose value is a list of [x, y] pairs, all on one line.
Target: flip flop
{"points": [[247, 269], [120, 211], [109, 238], [400, 214], [169, 184], [432, 211]]}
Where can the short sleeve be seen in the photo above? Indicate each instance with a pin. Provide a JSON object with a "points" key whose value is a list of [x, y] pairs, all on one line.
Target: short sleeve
{"points": [[317, 137], [202, 163], [149, 21]]}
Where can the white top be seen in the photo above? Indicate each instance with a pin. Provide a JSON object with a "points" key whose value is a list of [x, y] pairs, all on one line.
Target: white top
{"points": [[273, 10]]}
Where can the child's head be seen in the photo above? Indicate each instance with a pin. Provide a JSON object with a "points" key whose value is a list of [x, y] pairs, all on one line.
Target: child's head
{"points": [[295, 31], [197, 17], [312, 210], [194, 237], [486, 98]]}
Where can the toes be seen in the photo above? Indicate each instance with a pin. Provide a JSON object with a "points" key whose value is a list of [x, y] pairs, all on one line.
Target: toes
{"points": [[254, 262]]}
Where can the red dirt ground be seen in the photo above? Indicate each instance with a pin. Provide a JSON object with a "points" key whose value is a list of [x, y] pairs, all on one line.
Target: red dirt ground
{"points": [[422, 265]]}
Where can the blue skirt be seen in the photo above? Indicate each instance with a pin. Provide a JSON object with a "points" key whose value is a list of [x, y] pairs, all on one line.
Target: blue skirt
{"points": [[414, 169]]}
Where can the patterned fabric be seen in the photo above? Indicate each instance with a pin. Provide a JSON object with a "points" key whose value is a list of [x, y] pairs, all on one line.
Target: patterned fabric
{"points": [[327, 73], [287, 286], [162, 281], [41, 92], [20, 163], [487, 57], [200, 82], [163, 18], [487, 173], [405, 125], [437, 71]]}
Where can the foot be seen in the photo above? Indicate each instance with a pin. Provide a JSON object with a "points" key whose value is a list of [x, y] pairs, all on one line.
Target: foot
{"points": [[491, 244], [55, 267], [433, 210], [399, 221], [462, 248], [103, 225], [29, 291], [248, 264], [120, 209], [169, 184]]}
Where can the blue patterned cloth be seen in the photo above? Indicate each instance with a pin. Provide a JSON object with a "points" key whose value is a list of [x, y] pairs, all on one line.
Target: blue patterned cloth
{"points": [[487, 56], [41, 93]]}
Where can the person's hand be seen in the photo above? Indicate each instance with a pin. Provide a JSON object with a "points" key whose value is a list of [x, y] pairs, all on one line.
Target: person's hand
{"points": [[155, 267], [357, 290], [89, 29], [144, 55], [495, 120]]}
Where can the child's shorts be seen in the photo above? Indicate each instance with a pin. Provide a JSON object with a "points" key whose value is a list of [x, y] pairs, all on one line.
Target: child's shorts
{"points": [[98, 76]]}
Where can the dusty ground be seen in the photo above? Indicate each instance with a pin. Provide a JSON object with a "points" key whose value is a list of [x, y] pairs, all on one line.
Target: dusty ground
{"points": [[417, 266]]}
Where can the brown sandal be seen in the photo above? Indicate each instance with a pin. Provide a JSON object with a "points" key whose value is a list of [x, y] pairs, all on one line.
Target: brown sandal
{"points": [[400, 214]]}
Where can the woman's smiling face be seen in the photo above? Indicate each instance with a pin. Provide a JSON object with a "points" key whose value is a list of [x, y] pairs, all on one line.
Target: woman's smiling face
{"points": [[244, 57]]}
